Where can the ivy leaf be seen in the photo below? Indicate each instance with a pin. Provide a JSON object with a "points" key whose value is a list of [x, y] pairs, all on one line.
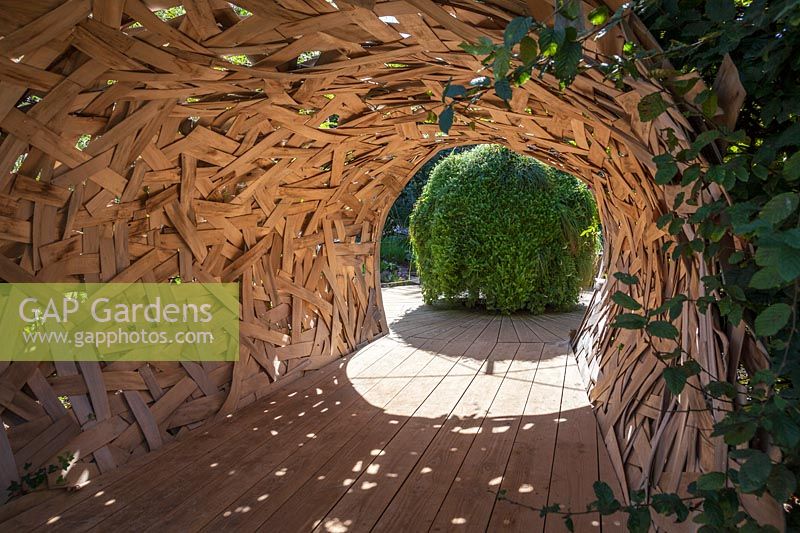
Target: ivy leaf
{"points": [[566, 60], [719, 389], [707, 100], [568, 523], [599, 16], [627, 279], [683, 86], [626, 301], [528, 50], [779, 207], [629, 321], [675, 378], [502, 88], [781, 483], [711, 481], [662, 329], [606, 503], [739, 433], [666, 171], [705, 138], [651, 106], [791, 168], [501, 63], [550, 40], [570, 9], [772, 319], [446, 119], [639, 520], [454, 91], [766, 278], [755, 472], [522, 78], [483, 47], [669, 504], [516, 30]]}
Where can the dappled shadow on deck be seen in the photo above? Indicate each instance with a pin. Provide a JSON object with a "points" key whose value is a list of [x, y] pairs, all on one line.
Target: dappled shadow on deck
{"points": [[412, 433]]}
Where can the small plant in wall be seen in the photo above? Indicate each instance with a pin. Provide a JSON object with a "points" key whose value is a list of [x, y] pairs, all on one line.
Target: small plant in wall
{"points": [[31, 480]]}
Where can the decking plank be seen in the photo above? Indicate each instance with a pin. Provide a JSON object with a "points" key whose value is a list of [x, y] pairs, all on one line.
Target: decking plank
{"points": [[575, 451], [415, 505], [278, 474], [469, 502], [363, 504], [527, 479], [317, 496]]}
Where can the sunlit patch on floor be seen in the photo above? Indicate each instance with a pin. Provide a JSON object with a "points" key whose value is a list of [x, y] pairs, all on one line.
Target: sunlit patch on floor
{"points": [[334, 525]]}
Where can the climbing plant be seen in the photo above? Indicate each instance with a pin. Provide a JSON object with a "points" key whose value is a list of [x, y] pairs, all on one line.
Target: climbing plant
{"points": [[750, 235]]}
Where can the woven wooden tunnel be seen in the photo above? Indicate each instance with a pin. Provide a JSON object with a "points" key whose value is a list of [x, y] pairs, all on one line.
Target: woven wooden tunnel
{"points": [[212, 157]]}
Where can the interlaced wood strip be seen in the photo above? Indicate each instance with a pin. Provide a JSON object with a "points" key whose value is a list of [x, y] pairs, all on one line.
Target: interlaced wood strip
{"points": [[266, 146]]}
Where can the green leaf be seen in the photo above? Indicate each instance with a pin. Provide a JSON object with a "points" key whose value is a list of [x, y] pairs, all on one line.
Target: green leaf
{"points": [[755, 472], [502, 88], [711, 481], [516, 30], [629, 321], [606, 503], [550, 40], [599, 16], [454, 91], [675, 378], [791, 167], [781, 483], [705, 138], [681, 87], [627, 279], [528, 50], [566, 60], [639, 520], [707, 100], [740, 433], [501, 63], [779, 207], [669, 504], [772, 319], [720, 10], [522, 78], [666, 171], [568, 523], [766, 278], [662, 329], [446, 119], [651, 106], [624, 300], [719, 389], [484, 46], [569, 8]]}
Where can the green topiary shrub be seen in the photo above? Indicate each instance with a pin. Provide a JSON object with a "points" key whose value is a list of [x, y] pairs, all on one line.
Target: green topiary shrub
{"points": [[505, 230]]}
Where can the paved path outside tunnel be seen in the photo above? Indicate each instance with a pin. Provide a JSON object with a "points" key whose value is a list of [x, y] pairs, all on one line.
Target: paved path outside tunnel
{"points": [[419, 431]]}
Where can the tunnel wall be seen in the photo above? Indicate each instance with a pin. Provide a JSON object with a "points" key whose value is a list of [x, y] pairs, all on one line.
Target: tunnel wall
{"points": [[211, 157]]}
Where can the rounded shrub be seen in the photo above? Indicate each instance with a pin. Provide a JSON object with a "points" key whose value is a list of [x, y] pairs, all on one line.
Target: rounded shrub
{"points": [[502, 229]]}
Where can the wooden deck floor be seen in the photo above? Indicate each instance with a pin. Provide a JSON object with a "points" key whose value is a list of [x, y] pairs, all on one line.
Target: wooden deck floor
{"points": [[419, 431]]}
